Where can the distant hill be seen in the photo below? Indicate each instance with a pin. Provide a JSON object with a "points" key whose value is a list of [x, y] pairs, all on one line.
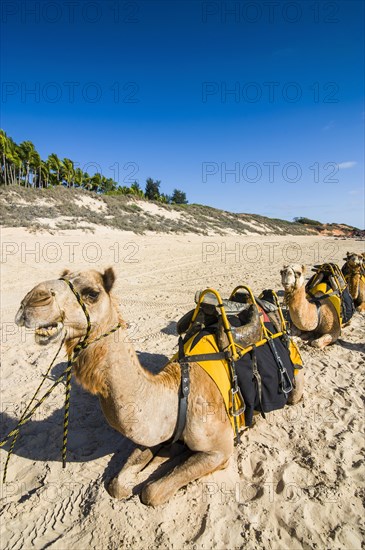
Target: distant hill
{"points": [[62, 208]]}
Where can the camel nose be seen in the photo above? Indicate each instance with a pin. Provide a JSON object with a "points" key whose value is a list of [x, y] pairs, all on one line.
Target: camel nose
{"points": [[19, 317]]}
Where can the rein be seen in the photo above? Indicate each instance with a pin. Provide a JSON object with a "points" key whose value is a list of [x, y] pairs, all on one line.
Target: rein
{"points": [[66, 375]]}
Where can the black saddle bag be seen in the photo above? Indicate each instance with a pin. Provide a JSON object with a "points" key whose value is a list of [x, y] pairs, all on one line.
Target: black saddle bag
{"points": [[347, 306], [262, 387]]}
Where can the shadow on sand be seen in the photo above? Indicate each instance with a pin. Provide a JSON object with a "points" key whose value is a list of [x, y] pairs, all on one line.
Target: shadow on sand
{"points": [[90, 437], [351, 345]]}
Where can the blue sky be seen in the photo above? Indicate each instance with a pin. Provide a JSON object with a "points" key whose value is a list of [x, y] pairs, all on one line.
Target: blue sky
{"points": [[248, 106]]}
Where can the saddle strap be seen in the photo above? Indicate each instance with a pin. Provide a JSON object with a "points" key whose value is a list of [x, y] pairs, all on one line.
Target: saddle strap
{"points": [[257, 377], [183, 393]]}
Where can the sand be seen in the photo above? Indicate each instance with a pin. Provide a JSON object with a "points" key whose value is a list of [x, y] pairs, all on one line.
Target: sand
{"points": [[296, 479]]}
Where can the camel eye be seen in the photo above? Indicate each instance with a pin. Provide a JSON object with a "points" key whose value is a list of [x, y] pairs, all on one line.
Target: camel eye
{"points": [[298, 273], [91, 294]]}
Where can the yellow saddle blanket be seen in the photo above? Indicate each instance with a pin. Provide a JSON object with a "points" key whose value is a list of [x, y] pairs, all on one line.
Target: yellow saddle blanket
{"points": [[325, 289], [219, 371]]}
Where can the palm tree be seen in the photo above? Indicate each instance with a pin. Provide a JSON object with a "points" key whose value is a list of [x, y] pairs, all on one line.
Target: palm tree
{"points": [[37, 175], [55, 164], [27, 154], [10, 160], [44, 170], [68, 171], [86, 181], [79, 176], [3, 151], [96, 182], [17, 165], [108, 185]]}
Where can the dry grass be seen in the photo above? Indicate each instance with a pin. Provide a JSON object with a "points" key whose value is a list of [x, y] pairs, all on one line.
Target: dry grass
{"points": [[20, 208]]}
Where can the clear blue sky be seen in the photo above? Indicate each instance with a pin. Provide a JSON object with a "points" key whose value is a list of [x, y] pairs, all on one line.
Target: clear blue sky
{"points": [[145, 85]]}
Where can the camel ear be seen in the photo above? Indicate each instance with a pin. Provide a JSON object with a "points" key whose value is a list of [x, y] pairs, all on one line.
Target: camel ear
{"points": [[65, 272], [108, 279], [304, 269]]}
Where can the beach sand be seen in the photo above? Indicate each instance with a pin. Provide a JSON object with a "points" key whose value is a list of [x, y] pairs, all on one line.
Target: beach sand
{"points": [[295, 480]]}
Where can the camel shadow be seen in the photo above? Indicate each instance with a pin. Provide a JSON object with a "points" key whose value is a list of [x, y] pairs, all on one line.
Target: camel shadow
{"points": [[89, 436], [351, 345], [170, 329], [154, 362]]}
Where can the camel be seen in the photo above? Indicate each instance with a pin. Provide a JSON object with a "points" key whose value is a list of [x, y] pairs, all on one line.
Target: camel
{"points": [[320, 325], [354, 271], [140, 405]]}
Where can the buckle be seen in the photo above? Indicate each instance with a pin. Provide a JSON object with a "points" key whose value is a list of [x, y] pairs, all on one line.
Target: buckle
{"points": [[240, 411], [286, 383]]}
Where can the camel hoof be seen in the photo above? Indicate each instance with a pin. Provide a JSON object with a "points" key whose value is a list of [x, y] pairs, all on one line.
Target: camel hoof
{"points": [[151, 495], [116, 490]]}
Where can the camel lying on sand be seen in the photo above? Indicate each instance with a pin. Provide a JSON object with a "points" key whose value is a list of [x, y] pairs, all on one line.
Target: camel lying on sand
{"points": [[320, 325], [354, 271], [110, 369]]}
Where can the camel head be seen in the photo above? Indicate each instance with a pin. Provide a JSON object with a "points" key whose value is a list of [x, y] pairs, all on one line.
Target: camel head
{"points": [[292, 277], [51, 307], [353, 259]]}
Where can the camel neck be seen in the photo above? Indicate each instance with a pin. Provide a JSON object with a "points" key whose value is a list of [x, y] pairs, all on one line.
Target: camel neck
{"points": [[302, 312], [136, 397], [354, 283]]}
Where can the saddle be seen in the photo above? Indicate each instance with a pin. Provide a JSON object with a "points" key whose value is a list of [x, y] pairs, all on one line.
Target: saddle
{"points": [[245, 337], [329, 282]]}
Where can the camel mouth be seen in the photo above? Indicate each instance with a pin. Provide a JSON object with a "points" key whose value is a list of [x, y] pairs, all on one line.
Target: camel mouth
{"points": [[47, 333]]}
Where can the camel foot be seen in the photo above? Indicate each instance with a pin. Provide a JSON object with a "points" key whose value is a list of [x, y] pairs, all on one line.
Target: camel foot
{"points": [[196, 466], [153, 495], [118, 490], [322, 342], [361, 308], [297, 393], [121, 486]]}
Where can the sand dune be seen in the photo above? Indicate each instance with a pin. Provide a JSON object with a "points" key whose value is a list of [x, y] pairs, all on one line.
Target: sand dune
{"points": [[296, 479]]}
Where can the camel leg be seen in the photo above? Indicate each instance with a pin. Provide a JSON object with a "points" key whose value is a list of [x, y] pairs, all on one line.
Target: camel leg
{"points": [[196, 466], [297, 393], [323, 341], [121, 486]]}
